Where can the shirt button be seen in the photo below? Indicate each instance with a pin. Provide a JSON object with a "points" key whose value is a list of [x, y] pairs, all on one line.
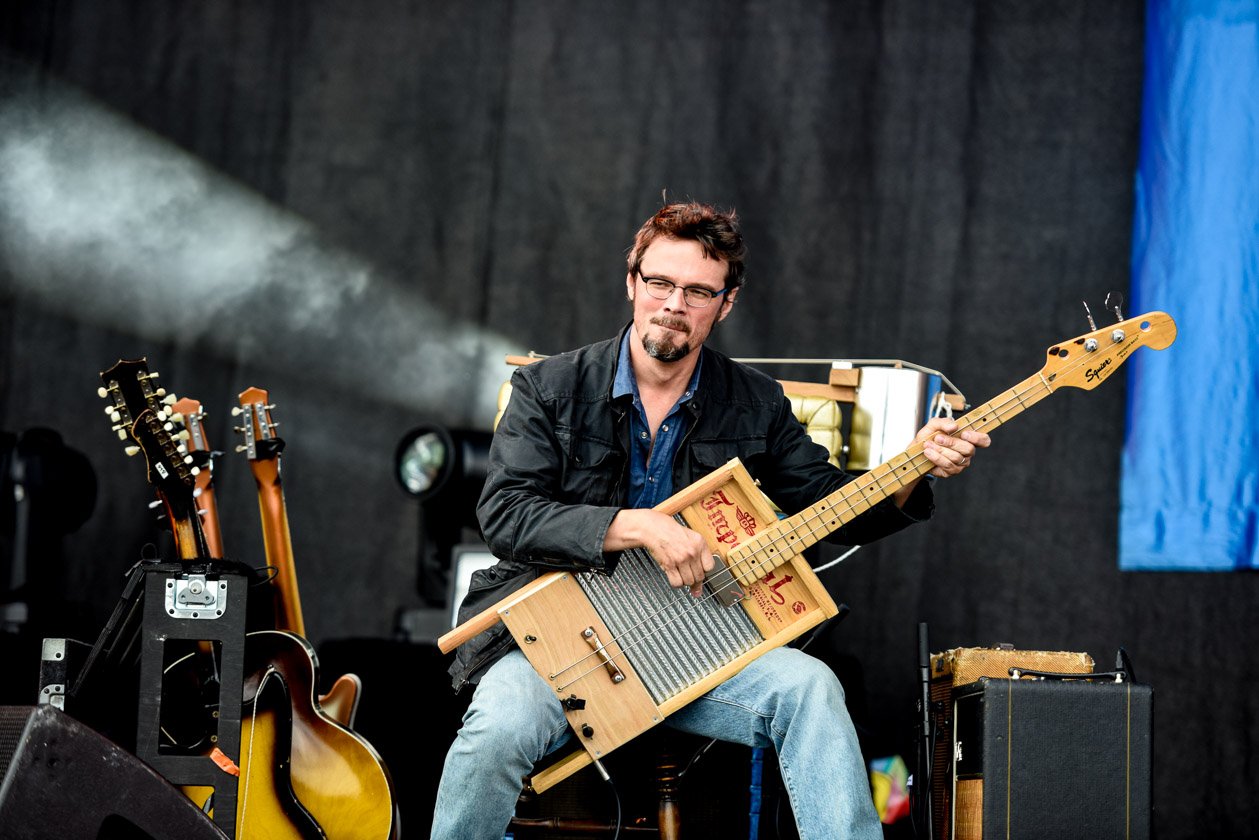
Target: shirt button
{"points": [[665, 427], [642, 435]]}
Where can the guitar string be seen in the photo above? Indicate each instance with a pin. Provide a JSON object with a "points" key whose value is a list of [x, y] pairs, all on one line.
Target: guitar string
{"points": [[249, 769], [990, 419]]}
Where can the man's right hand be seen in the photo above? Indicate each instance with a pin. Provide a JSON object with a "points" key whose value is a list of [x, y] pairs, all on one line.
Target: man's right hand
{"points": [[681, 553]]}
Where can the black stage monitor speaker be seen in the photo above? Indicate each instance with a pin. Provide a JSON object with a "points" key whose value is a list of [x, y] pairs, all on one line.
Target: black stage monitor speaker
{"points": [[63, 780], [1051, 758]]}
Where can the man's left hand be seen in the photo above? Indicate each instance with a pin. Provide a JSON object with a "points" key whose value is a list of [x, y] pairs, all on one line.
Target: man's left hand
{"points": [[950, 451]]}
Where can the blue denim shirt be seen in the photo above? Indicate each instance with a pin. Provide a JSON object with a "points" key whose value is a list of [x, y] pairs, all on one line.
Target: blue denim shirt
{"points": [[650, 467]]}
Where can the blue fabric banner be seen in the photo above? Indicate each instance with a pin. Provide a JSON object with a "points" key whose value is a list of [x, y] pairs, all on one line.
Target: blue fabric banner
{"points": [[1190, 473]]}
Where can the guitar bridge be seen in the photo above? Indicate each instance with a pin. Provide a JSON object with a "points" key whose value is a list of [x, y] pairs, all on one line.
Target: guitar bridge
{"points": [[592, 638]]}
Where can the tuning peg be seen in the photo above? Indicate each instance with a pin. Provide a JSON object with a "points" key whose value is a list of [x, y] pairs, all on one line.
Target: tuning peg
{"points": [[236, 411], [155, 504], [1118, 301], [161, 392], [131, 450], [182, 435], [241, 447], [1088, 313], [101, 392], [177, 417], [169, 399], [122, 433], [195, 471]]}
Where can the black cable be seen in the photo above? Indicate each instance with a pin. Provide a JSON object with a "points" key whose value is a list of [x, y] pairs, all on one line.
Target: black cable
{"points": [[616, 797]]}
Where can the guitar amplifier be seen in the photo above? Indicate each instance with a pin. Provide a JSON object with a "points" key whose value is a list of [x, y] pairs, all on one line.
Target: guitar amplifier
{"points": [[1052, 758], [964, 666]]}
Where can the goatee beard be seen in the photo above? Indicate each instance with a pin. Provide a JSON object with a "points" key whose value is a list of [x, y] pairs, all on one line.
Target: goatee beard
{"points": [[665, 351]]}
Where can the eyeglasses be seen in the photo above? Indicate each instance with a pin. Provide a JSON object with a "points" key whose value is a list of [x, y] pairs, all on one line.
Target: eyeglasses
{"points": [[695, 296]]}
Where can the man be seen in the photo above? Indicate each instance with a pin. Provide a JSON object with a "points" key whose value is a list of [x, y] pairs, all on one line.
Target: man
{"points": [[590, 441]]}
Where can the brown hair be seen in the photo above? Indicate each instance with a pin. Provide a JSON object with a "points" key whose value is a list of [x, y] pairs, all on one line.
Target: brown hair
{"points": [[715, 230]]}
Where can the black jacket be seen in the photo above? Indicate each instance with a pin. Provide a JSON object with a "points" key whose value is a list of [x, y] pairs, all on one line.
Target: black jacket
{"points": [[558, 472]]}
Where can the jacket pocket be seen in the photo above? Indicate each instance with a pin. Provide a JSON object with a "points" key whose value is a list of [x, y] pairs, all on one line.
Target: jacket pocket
{"points": [[711, 454], [591, 468]]}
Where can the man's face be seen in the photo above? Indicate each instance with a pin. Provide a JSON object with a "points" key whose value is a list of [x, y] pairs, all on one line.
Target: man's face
{"points": [[670, 329]]}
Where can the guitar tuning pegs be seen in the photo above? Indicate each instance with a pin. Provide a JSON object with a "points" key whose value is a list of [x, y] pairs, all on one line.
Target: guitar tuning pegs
{"points": [[1089, 315], [101, 392], [1118, 298], [169, 399], [155, 504], [131, 450], [188, 459], [177, 417], [241, 447], [236, 411], [195, 471], [183, 435], [122, 433]]}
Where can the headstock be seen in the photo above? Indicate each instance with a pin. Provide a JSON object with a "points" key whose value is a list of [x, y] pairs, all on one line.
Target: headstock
{"points": [[141, 412], [259, 430], [130, 389], [197, 443], [169, 467], [1087, 360]]}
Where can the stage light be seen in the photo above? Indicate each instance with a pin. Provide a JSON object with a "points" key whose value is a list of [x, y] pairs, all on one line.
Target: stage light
{"points": [[425, 460], [444, 469]]}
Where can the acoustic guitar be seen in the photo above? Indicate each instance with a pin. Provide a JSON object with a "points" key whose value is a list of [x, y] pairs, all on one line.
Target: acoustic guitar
{"points": [[623, 652]]}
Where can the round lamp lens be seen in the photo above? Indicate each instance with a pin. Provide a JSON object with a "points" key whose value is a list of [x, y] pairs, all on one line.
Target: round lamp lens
{"points": [[422, 463]]}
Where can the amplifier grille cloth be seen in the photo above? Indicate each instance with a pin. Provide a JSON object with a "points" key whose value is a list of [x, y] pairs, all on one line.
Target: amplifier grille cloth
{"points": [[671, 639]]}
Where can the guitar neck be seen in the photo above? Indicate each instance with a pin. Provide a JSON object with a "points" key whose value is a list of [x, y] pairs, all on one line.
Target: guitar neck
{"points": [[806, 528], [278, 544], [208, 511], [190, 540]]}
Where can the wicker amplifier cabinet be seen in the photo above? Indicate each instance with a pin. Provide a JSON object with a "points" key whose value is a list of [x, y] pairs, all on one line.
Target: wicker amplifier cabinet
{"points": [[950, 671]]}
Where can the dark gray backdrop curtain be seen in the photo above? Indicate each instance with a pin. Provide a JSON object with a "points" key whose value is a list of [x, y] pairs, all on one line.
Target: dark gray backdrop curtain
{"points": [[938, 182]]}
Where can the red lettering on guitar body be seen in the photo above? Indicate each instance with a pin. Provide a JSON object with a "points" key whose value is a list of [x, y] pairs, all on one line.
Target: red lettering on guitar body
{"points": [[717, 498], [773, 587]]}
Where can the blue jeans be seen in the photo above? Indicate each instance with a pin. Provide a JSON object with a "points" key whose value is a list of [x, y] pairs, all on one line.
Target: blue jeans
{"points": [[784, 699]]}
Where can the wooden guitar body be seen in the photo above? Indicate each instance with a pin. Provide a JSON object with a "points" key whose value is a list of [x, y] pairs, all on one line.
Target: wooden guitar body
{"points": [[300, 771]]}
